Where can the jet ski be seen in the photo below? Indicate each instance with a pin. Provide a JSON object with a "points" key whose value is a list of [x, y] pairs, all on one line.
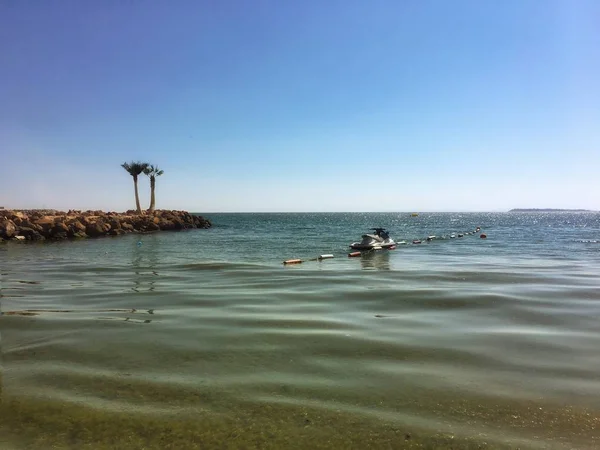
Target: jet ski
{"points": [[380, 239]]}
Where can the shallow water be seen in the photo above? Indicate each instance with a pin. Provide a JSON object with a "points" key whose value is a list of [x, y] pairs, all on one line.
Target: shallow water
{"points": [[203, 339]]}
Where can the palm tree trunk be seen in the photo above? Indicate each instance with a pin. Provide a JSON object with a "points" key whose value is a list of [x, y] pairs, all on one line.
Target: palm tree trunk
{"points": [[152, 184], [137, 197]]}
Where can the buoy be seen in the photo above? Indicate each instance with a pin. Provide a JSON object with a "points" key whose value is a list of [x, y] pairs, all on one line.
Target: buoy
{"points": [[325, 257], [483, 235], [353, 254], [292, 261]]}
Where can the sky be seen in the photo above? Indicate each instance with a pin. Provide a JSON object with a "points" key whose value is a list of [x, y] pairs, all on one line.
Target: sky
{"points": [[316, 105]]}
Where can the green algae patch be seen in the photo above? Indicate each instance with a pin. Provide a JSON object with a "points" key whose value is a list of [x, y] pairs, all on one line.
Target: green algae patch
{"points": [[38, 423], [20, 313], [68, 410]]}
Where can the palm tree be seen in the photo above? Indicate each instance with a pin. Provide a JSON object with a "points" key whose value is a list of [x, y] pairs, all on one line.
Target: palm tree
{"points": [[152, 172], [134, 169]]}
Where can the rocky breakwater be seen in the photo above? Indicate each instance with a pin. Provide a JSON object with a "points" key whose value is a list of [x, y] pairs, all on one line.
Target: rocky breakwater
{"points": [[37, 225]]}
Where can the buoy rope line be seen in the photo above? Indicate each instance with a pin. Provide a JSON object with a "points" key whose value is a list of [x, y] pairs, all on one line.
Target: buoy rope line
{"points": [[357, 253]]}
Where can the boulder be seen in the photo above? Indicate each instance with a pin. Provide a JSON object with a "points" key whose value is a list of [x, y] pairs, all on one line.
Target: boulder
{"points": [[152, 227], [44, 224], [8, 229], [59, 231], [52, 224], [114, 223], [30, 224], [75, 226], [30, 234], [125, 226], [201, 222], [95, 229], [166, 225]]}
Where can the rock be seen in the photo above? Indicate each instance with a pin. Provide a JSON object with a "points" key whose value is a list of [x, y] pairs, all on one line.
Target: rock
{"points": [[166, 225], [30, 224], [114, 223], [57, 225], [176, 221], [45, 223], [75, 226], [58, 230], [201, 222], [30, 234], [8, 229], [152, 227], [127, 227], [95, 229]]}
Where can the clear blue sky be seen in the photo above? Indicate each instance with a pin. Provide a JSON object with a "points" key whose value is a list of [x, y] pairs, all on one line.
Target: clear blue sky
{"points": [[270, 105]]}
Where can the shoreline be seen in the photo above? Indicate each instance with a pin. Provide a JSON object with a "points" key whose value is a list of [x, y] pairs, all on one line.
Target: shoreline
{"points": [[55, 225]]}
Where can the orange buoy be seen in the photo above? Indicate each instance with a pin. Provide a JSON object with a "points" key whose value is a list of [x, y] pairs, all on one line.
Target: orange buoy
{"points": [[292, 261], [483, 235], [353, 254]]}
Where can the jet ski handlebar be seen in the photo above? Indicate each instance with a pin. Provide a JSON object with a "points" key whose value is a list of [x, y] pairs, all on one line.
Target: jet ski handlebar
{"points": [[380, 232]]}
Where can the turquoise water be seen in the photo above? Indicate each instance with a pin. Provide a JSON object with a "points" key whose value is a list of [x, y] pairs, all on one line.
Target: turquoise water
{"points": [[203, 339]]}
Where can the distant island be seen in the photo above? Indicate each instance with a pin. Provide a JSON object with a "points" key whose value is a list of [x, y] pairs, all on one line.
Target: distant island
{"points": [[548, 210]]}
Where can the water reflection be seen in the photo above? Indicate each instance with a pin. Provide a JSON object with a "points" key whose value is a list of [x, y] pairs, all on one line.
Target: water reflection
{"points": [[145, 257], [127, 319], [375, 260]]}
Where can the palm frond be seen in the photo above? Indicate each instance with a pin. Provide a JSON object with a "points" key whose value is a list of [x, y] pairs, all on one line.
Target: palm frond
{"points": [[153, 171], [135, 167]]}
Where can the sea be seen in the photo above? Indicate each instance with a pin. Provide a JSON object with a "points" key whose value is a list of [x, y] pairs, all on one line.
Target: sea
{"points": [[204, 339]]}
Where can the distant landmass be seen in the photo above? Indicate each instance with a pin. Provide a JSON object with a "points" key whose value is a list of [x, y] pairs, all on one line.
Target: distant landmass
{"points": [[547, 210]]}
